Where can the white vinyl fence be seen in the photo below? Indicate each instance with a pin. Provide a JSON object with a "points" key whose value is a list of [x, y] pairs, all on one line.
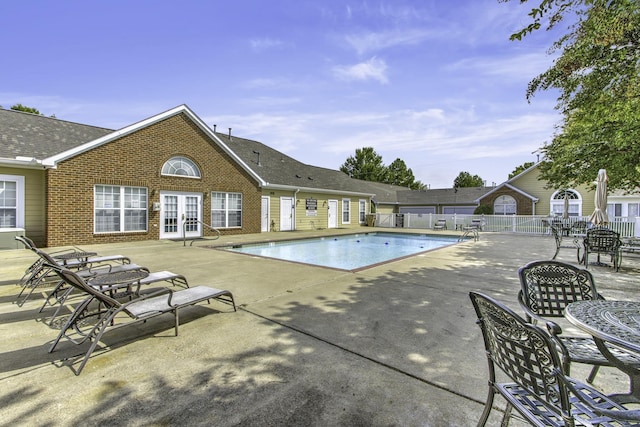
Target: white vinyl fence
{"points": [[525, 224]]}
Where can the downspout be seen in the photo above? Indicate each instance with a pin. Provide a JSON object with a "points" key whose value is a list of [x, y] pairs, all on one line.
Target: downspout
{"points": [[295, 203]]}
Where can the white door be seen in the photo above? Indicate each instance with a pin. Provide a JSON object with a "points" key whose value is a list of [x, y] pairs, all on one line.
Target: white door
{"points": [[333, 214], [175, 208], [286, 214], [264, 221]]}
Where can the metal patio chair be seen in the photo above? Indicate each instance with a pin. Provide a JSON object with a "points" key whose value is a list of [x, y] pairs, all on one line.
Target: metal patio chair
{"points": [[88, 323], [601, 240], [547, 287], [536, 386]]}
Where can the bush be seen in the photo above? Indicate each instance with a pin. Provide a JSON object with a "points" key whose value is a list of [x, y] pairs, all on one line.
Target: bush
{"points": [[483, 210]]}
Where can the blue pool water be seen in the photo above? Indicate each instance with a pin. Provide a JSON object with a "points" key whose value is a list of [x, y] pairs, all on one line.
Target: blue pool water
{"points": [[349, 252]]}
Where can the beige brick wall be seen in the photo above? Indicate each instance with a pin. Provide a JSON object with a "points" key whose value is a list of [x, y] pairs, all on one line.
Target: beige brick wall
{"points": [[136, 160]]}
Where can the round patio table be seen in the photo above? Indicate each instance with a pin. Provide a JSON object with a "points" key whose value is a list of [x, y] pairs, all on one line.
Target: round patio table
{"points": [[614, 322], [72, 256], [119, 283]]}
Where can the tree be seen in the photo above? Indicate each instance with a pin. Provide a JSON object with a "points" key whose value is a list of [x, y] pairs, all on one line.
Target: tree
{"points": [[597, 75], [464, 179], [20, 107], [399, 174], [366, 165], [518, 170]]}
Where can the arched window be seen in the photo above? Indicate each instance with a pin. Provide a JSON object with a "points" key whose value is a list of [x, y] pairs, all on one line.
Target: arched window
{"points": [[180, 166], [568, 200], [505, 205]]}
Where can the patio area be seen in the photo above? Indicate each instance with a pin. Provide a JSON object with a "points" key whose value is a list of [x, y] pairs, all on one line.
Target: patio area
{"points": [[395, 344]]}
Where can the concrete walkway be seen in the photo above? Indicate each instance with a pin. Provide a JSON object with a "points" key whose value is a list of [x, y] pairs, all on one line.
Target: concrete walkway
{"points": [[393, 345]]}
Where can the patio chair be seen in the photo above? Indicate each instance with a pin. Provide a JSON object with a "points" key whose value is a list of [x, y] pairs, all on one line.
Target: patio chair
{"points": [[559, 240], [85, 324], [602, 240], [40, 270], [60, 294], [547, 288], [536, 385], [441, 224]]}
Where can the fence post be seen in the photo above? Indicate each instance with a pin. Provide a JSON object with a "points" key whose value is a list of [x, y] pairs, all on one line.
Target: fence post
{"points": [[637, 230]]}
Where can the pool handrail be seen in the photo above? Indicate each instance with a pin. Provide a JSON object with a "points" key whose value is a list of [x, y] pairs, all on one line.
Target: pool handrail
{"points": [[196, 221]]}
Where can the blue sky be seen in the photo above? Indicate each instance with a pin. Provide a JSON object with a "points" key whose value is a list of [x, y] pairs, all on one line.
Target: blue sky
{"points": [[436, 83]]}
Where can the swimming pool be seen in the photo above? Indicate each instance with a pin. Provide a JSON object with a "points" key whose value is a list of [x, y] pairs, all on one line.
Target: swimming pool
{"points": [[350, 252]]}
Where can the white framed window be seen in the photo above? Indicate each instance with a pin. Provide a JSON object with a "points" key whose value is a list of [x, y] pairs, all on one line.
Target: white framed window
{"points": [[362, 211], [633, 209], [614, 210], [120, 209], [11, 201], [566, 199], [505, 205], [226, 210], [181, 166], [346, 211]]}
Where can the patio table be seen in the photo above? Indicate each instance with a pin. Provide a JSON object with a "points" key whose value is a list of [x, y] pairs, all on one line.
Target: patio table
{"points": [[613, 322], [82, 257], [119, 283]]}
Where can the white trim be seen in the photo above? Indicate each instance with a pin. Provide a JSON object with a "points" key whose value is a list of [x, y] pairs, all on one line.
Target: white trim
{"points": [[53, 160], [20, 197], [345, 202]]}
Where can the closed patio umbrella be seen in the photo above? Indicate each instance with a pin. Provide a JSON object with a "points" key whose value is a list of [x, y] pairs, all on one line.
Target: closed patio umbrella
{"points": [[599, 216]]}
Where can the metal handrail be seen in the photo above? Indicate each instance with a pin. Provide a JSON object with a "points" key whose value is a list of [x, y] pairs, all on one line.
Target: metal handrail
{"points": [[195, 221]]}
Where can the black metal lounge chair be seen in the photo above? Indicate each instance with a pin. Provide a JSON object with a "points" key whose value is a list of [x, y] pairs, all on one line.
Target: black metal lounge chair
{"points": [[547, 288], [536, 386], [601, 240], [87, 324]]}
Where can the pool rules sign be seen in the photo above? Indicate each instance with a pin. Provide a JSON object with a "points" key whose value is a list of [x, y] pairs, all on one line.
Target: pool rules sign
{"points": [[312, 207]]}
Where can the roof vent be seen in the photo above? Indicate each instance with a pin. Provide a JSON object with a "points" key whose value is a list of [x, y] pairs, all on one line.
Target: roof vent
{"points": [[258, 153], [214, 128], [298, 176], [230, 138]]}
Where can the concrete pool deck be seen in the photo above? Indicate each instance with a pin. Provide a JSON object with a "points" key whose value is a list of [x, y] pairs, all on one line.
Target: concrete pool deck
{"points": [[395, 344]]}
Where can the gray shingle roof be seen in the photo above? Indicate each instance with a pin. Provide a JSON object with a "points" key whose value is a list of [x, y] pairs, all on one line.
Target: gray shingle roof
{"points": [[277, 168], [32, 135]]}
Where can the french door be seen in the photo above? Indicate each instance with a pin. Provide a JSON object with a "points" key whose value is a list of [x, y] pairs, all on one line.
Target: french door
{"points": [[177, 207]]}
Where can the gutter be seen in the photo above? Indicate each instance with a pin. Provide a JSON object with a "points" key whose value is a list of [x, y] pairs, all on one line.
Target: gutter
{"points": [[314, 190], [23, 162]]}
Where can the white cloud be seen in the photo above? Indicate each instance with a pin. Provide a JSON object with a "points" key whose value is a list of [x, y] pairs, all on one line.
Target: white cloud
{"points": [[374, 68], [266, 43], [365, 42]]}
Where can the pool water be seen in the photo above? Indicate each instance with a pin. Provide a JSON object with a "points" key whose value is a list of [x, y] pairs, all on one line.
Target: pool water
{"points": [[349, 252]]}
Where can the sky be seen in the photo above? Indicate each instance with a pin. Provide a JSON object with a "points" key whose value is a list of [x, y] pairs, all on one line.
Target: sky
{"points": [[435, 83]]}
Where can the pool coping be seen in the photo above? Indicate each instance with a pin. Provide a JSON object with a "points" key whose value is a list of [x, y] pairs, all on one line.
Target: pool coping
{"points": [[226, 247]]}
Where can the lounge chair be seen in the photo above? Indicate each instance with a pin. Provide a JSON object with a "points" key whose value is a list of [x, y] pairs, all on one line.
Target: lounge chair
{"points": [[536, 385], [440, 224], [547, 287], [77, 260], [85, 324], [60, 294]]}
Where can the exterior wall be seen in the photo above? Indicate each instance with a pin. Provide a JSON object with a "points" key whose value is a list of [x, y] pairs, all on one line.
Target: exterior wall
{"points": [[530, 184], [136, 160], [313, 220], [524, 205], [35, 224]]}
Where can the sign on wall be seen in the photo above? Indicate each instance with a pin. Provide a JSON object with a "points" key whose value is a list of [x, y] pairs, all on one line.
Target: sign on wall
{"points": [[311, 206]]}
